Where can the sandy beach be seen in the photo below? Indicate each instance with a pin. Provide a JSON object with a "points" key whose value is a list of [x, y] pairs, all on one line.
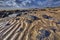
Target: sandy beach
{"points": [[30, 24]]}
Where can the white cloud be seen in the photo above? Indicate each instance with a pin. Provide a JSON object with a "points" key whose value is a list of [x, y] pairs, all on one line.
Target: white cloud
{"points": [[25, 3]]}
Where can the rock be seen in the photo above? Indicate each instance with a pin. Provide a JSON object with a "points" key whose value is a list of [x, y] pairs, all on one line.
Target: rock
{"points": [[53, 29], [13, 15], [58, 22], [17, 18], [1, 14], [45, 33], [3, 24], [17, 11], [7, 24], [24, 10], [21, 29], [46, 17], [19, 14], [5, 15], [24, 13], [33, 17], [43, 9], [28, 21], [9, 13]]}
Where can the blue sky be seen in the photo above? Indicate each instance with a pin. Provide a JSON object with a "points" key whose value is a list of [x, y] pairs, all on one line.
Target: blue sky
{"points": [[29, 3]]}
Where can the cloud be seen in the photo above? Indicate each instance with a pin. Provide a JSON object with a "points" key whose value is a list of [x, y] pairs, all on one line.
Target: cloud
{"points": [[31, 3]]}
